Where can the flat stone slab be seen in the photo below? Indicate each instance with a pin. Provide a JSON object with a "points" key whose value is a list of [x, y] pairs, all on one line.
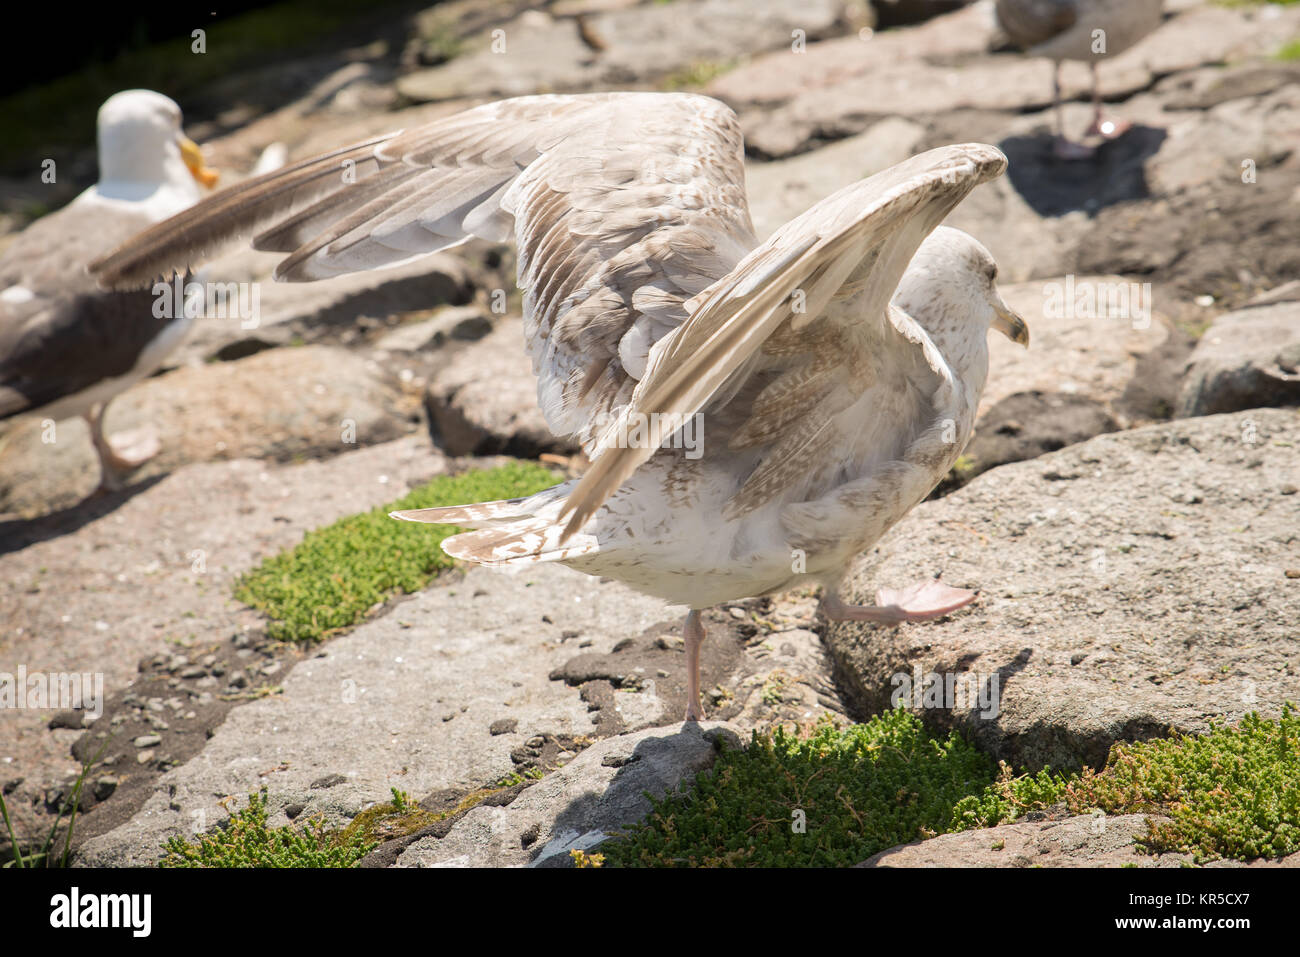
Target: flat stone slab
{"points": [[1134, 585], [1087, 336], [579, 806], [278, 405], [97, 588], [484, 401], [536, 53], [1247, 359], [1085, 840], [840, 86], [435, 695], [334, 311], [1081, 841], [782, 189]]}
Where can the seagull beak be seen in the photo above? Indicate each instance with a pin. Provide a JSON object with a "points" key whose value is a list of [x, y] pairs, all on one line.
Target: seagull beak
{"points": [[1009, 324], [193, 157]]}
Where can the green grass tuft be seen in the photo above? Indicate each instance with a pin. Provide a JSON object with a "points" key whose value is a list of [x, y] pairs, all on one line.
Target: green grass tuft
{"points": [[1009, 798], [1231, 793], [861, 789], [246, 841], [46, 856], [338, 573]]}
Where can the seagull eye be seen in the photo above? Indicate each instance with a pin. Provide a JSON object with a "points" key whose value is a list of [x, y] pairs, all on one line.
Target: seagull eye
{"points": [[992, 272]]}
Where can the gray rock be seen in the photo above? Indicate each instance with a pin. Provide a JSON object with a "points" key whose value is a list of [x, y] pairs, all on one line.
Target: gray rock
{"points": [[534, 53], [841, 86], [1287, 292], [320, 312], [539, 54], [162, 563], [1029, 424], [1159, 554], [1086, 840], [1246, 360], [781, 190], [485, 400], [454, 323], [1082, 841], [1078, 344], [277, 405], [369, 705], [578, 806], [1190, 223], [782, 75]]}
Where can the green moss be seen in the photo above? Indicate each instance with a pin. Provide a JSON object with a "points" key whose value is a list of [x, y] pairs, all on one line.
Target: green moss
{"points": [[1231, 793], [1289, 51], [514, 777], [860, 789], [383, 822], [399, 817], [1009, 798], [338, 573], [246, 841]]}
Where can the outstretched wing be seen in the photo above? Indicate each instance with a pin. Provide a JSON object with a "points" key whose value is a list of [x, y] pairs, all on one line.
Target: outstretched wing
{"points": [[624, 206], [844, 259]]}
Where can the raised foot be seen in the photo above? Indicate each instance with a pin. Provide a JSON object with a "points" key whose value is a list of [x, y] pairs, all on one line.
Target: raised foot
{"points": [[919, 602], [927, 599], [123, 453], [131, 449]]}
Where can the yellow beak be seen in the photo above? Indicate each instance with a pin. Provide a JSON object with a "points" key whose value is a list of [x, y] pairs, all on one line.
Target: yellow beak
{"points": [[193, 157], [1010, 324]]}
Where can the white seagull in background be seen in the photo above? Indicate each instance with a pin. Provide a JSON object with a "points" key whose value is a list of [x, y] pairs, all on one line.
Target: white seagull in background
{"points": [[66, 346], [827, 411], [1086, 30]]}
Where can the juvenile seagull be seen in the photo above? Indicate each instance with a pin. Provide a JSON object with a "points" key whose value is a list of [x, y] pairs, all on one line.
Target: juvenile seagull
{"points": [[67, 347], [828, 412], [1087, 30]]}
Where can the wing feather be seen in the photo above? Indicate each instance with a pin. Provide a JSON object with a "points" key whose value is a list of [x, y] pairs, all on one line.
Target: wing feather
{"points": [[859, 240]]}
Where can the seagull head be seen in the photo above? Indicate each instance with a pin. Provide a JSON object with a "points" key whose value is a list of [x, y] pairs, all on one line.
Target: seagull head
{"points": [[950, 289], [141, 146]]}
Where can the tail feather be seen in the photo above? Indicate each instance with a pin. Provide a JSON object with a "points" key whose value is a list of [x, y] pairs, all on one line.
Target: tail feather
{"points": [[508, 532], [468, 516], [526, 542]]}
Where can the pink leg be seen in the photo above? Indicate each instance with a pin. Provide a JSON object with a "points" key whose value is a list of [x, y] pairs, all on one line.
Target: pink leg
{"points": [[121, 454], [693, 632], [1106, 129], [1062, 147], [919, 602]]}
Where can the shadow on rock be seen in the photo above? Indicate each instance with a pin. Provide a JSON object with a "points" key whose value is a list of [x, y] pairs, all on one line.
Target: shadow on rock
{"points": [[658, 763], [1054, 187], [17, 534]]}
